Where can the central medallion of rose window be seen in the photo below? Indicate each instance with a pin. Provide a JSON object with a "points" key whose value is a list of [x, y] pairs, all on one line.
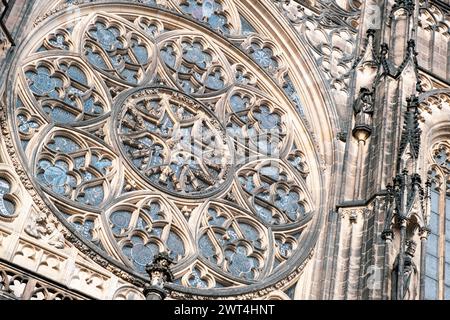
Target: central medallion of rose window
{"points": [[174, 142]]}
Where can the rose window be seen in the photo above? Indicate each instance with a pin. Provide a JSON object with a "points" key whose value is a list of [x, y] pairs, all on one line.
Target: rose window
{"points": [[143, 132]]}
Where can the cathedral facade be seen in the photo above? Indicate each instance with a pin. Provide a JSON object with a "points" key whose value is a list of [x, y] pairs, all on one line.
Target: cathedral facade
{"points": [[225, 149]]}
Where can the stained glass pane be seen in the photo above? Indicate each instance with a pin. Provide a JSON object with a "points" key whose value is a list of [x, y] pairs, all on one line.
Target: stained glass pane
{"points": [[432, 266], [432, 244], [431, 288]]}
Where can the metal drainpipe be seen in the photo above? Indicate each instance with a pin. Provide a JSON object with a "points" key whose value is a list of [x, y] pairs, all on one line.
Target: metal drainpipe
{"points": [[2, 25]]}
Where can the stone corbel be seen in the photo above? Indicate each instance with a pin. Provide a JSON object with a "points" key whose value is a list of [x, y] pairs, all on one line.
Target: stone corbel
{"points": [[47, 229], [353, 214]]}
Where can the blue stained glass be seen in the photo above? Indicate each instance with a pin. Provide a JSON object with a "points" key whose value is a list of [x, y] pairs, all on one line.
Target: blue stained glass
{"points": [[207, 248], [80, 162], [77, 74], [447, 231], [105, 37], [91, 107], [262, 58], [151, 30], [441, 157], [447, 274], [87, 176], [136, 239], [435, 202], [142, 255], [155, 210], [432, 266], [272, 172], [219, 21], [215, 81], [246, 27], [447, 251], [216, 220], [157, 232], [130, 76], [42, 83], [232, 235], [141, 54], [120, 220], [265, 195], [447, 205], [43, 70], [25, 144], [4, 186], [25, 125], [238, 103], [434, 222], [187, 87], [288, 203], [298, 162], [247, 183], [59, 42], [127, 251], [264, 214], [267, 119], [7, 208], [241, 264], [432, 244], [194, 54], [431, 287], [447, 293], [85, 229], [286, 249], [241, 78], [249, 232], [55, 176], [96, 59], [209, 11], [208, 8], [64, 145], [195, 281], [59, 115], [101, 164], [292, 93], [175, 245], [92, 196], [169, 56], [62, 164]]}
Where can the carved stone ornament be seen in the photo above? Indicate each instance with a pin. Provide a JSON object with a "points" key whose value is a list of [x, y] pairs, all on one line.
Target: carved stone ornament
{"points": [[139, 132], [40, 227]]}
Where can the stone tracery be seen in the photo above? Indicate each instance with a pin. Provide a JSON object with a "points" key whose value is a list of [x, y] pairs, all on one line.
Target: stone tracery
{"points": [[194, 115]]}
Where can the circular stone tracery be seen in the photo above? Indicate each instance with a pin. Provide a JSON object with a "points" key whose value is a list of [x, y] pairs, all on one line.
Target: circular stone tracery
{"points": [[174, 141], [99, 144]]}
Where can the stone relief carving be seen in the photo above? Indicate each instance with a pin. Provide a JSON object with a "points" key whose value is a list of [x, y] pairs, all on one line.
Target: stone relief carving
{"points": [[410, 275], [39, 226]]}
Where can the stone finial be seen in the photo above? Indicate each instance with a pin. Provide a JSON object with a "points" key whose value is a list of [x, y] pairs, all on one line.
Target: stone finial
{"points": [[159, 273]]}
